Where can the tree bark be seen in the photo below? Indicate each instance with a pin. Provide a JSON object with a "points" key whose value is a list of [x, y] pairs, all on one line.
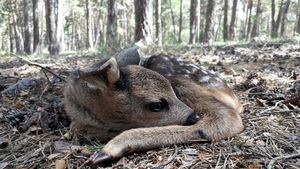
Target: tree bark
{"points": [[208, 34], [59, 17], [27, 41], [273, 23], [194, 12], [11, 33], [36, 23], [143, 21], [180, 22], [158, 22], [254, 31], [298, 18], [225, 20], [285, 11], [173, 18], [279, 18], [53, 46], [232, 21], [250, 5], [112, 25], [89, 34], [18, 36]]}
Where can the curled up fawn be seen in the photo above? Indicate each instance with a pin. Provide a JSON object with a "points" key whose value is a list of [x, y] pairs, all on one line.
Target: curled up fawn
{"points": [[165, 101]]}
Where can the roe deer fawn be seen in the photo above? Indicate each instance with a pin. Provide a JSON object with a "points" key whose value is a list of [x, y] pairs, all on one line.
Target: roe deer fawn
{"points": [[165, 102]]}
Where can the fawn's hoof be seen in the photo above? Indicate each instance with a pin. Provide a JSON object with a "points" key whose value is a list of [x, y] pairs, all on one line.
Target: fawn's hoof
{"points": [[100, 157]]}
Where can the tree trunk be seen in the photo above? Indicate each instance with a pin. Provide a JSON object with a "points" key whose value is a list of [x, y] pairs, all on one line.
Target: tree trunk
{"points": [[250, 5], [59, 17], [279, 18], [89, 35], [112, 26], [232, 21], [18, 36], [180, 22], [225, 25], [158, 22], [143, 21], [273, 23], [11, 33], [53, 47], [254, 31], [285, 11], [208, 34], [217, 28], [73, 39], [173, 18], [194, 12], [36, 23], [243, 29], [298, 18], [27, 41], [198, 30]]}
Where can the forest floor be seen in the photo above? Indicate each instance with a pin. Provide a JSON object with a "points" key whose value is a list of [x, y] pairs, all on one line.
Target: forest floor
{"points": [[34, 130]]}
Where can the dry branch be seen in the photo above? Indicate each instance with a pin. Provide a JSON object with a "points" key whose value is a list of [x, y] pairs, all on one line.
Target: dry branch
{"points": [[271, 163], [44, 67]]}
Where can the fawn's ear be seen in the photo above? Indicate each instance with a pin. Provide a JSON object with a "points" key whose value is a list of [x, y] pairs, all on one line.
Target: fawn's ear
{"points": [[101, 75]]}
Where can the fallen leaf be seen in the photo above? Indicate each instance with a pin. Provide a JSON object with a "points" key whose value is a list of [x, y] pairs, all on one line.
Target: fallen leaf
{"points": [[254, 165], [60, 164], [19, 105], [260, 142], [65, 147], [249, 142], [204, 155], [261, 102], [23, 93]]}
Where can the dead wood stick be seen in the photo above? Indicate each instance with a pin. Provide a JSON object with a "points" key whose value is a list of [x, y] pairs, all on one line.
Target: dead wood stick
{"points": [[31, 63], [271, 163], [170, 159]]}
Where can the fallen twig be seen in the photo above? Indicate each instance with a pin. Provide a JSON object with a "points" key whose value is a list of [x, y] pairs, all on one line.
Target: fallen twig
{"points": [[271, 163], [30, 63], [170, 159]]}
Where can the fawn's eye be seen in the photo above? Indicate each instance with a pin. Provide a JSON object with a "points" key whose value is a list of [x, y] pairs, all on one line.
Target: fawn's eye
{"points": [[155, 107], [158, 106]]}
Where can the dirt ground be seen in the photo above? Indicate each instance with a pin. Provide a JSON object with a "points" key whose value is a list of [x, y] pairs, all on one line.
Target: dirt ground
{"points": [[34, 129]]}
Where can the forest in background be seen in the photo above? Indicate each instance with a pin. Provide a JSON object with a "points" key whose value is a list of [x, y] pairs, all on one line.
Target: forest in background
{"points": [[55, 26]]}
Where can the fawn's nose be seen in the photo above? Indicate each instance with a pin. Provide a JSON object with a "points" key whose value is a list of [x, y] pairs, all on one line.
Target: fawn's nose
{"points": [[192, 119]]}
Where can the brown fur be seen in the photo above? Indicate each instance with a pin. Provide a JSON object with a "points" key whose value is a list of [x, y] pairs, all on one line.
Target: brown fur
{"points": [[100, 109], [103, 111]]}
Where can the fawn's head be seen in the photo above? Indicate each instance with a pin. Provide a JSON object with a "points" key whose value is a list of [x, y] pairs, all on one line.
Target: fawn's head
{"points": [[128, 97]]}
